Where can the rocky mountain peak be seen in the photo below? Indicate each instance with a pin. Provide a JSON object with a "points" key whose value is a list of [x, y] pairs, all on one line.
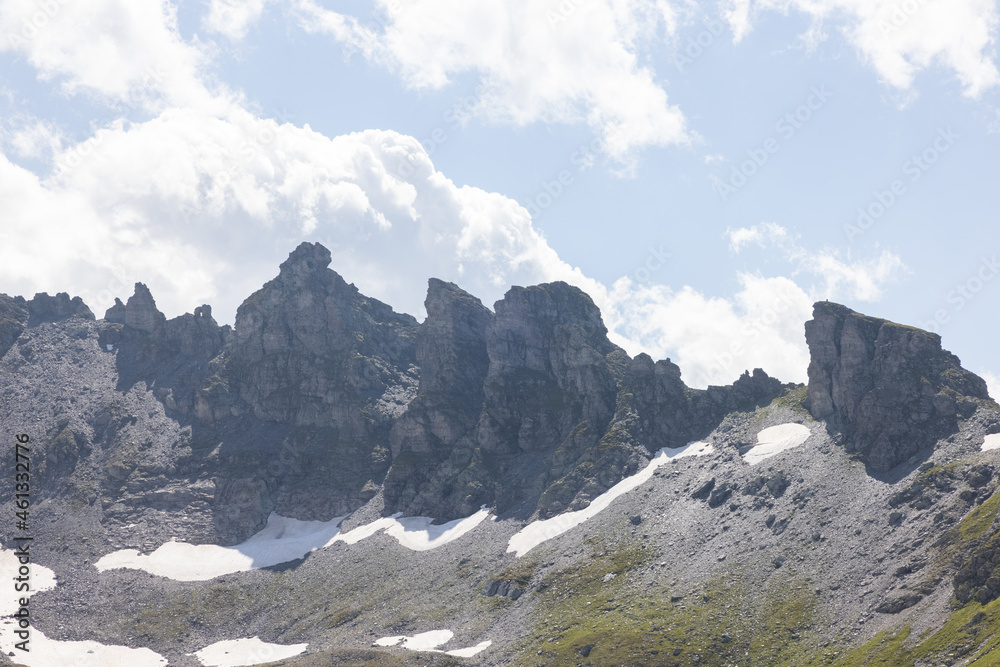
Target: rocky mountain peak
{"points": [[308, 259], [140, 312], [451, 345], [552, 309], [45, 308], [888, 389]]}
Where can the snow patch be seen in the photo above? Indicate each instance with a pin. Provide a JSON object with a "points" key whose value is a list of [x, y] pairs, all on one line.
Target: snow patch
{"points": [[45, 652], [540, 531], [244, 652], [429, 642], [775, 440], [471, 651], [417, 534], [425, 641], [992, 441], [281, 541]]}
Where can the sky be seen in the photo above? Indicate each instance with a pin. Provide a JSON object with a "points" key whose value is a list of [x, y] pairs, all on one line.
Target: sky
{"points": [[706, 171]]}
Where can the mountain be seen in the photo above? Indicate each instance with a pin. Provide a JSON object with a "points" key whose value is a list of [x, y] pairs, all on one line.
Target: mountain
{"points": [[503, 484]]}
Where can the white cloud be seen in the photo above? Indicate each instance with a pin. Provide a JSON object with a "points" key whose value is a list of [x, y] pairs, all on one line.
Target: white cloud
{"points": [[127, 52], [898, 39], [714, 340], [992, 383], [203, 209], [31, 137], [233, 18], [203, 200], [861, 280], [551, 61], [762, 234]]}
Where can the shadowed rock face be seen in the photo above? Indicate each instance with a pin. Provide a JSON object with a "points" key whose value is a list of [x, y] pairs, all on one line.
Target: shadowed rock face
{"points": [[552, 368], [888, 389], [13, 319], [322, 398], [438, 423], [534, 409]]}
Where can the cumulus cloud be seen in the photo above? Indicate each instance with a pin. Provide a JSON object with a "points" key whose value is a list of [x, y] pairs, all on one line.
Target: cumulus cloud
{"points": [[714, 339], [202, 199], [553, 61], [203, 208], [898, 39], [125, 52]]}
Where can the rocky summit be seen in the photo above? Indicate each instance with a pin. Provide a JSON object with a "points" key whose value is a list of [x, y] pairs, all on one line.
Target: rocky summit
{"points": [[345, 485]]}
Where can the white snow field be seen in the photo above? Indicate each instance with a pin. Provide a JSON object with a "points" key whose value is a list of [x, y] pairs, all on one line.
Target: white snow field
{"points": [[775, 440], [283, 540], [429, 641], [540, 531], [245, 652], [992, 441], [45, 652]]}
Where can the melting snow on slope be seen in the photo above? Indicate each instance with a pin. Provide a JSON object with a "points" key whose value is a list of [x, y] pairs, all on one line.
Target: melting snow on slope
{"points": [[245, 652], [775, 440], [283, 540], [45, 652], [992, 441], [429, 641], [537, 532]]}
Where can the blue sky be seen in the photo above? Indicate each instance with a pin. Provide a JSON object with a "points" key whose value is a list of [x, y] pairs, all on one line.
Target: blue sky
{"points": [[704, 170]]}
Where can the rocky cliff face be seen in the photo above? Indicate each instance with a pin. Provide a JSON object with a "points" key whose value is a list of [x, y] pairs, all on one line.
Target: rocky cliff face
{"points": [[302, 399], [434, 440], [533, 409], [321, 399], [889, 390]]}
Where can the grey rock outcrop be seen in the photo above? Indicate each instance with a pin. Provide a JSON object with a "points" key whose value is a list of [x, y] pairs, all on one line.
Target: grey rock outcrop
{"points": [[45, 308], [435, 434], [534, 409], [549, 396], [16, 313], [13, 319], [889, 390], [311, 350], [332, 369]]}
